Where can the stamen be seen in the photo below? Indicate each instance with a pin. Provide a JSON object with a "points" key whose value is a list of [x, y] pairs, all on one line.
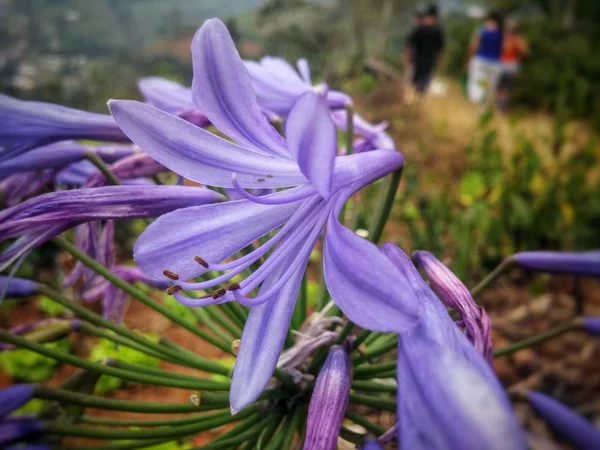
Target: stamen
{"points": [[173, 289], [233, 287], [171, 275], [219, 293], [288, 196], [201, 261]]}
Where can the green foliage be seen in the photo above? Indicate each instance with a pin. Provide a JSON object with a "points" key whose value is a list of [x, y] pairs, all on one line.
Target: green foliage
{"points": [[105, 349], [50, 307], [25, 365]]}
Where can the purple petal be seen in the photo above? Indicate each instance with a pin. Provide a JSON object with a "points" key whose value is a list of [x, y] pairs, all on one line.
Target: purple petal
{"points": [[574, 263], [13, 429], [363, 283], [338, 100], [213, 232], [198, 154], [166, 95], [134, 166], [578, 431], [328, 402], [13, 287], [17, 187], [263, 338], [222, 89], [312, 141], [304, 70], [14, 397], [375, 135], [370, 444], [591, 324]]}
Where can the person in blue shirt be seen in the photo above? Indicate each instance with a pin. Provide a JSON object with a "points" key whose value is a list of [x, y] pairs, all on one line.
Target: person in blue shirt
{"points": [[485, 65]]}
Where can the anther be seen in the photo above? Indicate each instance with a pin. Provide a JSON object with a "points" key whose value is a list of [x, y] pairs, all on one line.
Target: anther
{"points": [[171, 275], [173, 289], [218, 294], [233, 287], [201, 261], [261, 180], [235, 346]]}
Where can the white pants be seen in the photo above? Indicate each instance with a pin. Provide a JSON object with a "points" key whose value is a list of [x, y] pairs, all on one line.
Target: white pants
{"points": [[483, 80]]}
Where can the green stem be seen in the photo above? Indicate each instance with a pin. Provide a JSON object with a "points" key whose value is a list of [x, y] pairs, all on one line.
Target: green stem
{"points": [[377, 430], [346, 330], [362, 336], [89, 365], [351, 436], [129, 445], [265, 436], [276, 444], [376, 229], [382, 404], [216, 313], [538, 339], [499, 270], [291, 431], [373, 386], [372, 337], [205, 319], [111, 178], [235, 441], [370, 369], [379, 349], [301, 305], [233, 315], [91, 401], [137, 293], [146, 423]]}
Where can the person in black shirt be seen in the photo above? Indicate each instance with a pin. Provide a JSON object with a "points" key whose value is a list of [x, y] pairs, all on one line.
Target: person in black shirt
{"points": [[424, 47]]}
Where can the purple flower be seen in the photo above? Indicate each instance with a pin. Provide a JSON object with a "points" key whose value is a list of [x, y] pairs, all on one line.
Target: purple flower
{"points": [[572, 263], [13, 287], [45, 216], [15, 188], [187, 243], [127, 169], [14, 397], [328, 402], [278, 85], [455, 294], [370, 444], [371, 136], [578, 431], [591, 324], [448, 395], [13, 429], [25, 125], [173, 98]]}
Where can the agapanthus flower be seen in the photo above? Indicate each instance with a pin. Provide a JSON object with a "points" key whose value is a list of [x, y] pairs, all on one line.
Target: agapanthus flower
{"points": [[578, 431], [371, 136], [329, 401], [448, 395], [185, 244], [13, 287], [591, 324], [370, 444], [571, 263], [456, 295], [278, 85], [13, 429], [45, 216]]}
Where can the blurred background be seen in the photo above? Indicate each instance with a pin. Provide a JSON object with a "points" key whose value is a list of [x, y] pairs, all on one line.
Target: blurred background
{"points": [[480, 182]]}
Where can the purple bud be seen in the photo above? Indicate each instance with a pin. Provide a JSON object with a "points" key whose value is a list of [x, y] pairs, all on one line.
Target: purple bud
{"points": [[581, 433], [14, 397], [455, 294], [591, 324], [13, 287], [573, 263], [370, 444], [328, 402], [13, 429]]}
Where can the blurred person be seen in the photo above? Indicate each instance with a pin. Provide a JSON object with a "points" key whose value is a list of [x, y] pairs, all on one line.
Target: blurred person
{"points": [[514, 50], [484, 63], [424, 47]]}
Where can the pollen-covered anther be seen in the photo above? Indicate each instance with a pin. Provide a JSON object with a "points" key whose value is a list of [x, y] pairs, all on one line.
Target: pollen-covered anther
{"points": [[173, 289], [171, 275], [219, 293], [233, 287], [201, 261]]}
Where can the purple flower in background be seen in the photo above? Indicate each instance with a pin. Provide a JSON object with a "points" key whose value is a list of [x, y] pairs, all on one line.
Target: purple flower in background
{"points": [[12, 429], [591, 324], [134, 167], [329, 401], [278, 85], [455, 294], [371, 136], [187, 243], [15, 188], [173, 98], [571, 263], [12, 287], [25, 125], [14, 397], [448, 395], [370, 444], [45, 216], [578, 431]]}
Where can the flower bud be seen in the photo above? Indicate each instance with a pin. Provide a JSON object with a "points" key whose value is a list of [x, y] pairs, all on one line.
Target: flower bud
{"points": [[370, 444], [328, 402], [573, 263]]}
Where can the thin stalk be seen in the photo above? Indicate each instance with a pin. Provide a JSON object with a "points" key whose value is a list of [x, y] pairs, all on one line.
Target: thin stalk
{"points": [[377, 430], [385, 208], [288, 439], [265, 436], [137, 293], [380, 403], [205, 319], [146, 423], [362, 336], [351, 436], [243, 426], [181, 430], [378, 349], [492, 276], [217, 314], [276, 443], [370, 369], [346, 330], [130, 445], [299, 315], [91, 401], [235, 441], [89, 365], [240, 311], [537, 339], [373, 386], [372, 337], [111, 178]]}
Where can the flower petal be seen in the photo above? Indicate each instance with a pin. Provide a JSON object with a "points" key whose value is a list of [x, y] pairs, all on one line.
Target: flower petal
{"points": [[222, 89], [263, 338], [214, 233], [198, 154], [304, 69], [575, 263], [312, 140], [363, 283], [166, 95]]}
